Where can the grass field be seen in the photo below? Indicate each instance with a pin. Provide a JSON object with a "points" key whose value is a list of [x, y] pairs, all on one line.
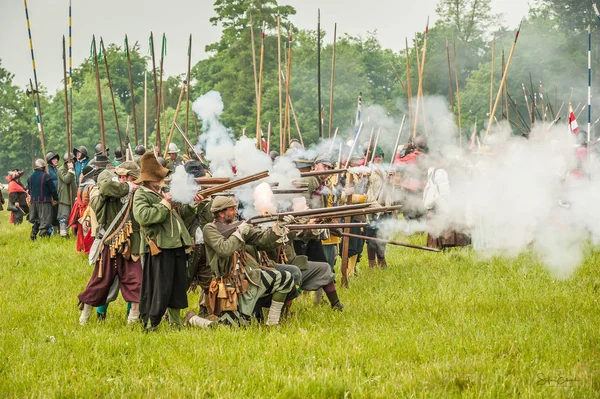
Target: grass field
{"points": [[431, 325]]}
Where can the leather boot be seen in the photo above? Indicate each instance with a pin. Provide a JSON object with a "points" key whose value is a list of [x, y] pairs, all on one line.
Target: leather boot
{"points": [[372, 264], [382, 263]]}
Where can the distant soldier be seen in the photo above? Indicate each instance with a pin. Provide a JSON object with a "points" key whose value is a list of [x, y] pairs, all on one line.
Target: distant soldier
{"points": [[17, 197], [67, 192], [43, 193], [119, 157], [138, 152], [81, 154], [174, 158]]}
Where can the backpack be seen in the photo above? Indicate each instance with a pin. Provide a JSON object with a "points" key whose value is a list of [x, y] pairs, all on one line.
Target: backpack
{"points": [[431, 192]]}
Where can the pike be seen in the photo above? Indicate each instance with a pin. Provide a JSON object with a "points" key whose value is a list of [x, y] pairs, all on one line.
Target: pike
{"points": [[187, 140], [421, 68], [156, 93], [295, 118], [187, 92], [319, 107], [369, 146], [128, 151], [505, 87], [393, 154], [112, 94], [145, 109], [398, 77], [333, 141], [353, 145], [131, 93], [36, 103], [70, 76], [460, 138], [259, 97], [38, 119], [409, 92], [492, 74], [232, 184], [99, 91], [381, 240], [287, 94], [253, 57], [163, 53], [449, 75], [64, 57], [183, 87], [332, 83], [279, 72], [503, 82], [375, 145], [269, 137], [589, 121]]}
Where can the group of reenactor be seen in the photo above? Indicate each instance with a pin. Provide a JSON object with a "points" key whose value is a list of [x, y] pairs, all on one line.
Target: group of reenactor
{"points": [[154, 250]]}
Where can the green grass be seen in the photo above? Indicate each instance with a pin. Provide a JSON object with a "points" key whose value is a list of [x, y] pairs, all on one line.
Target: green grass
{"points": [[431, 325]]}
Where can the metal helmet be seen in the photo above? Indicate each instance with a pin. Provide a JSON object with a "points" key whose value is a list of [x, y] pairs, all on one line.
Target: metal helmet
{"points": [[82, 149], [118, 153], [39, 164], [50, 155], [68, 157], [140, 149], [173, 149], [98, 149], [162, 161]]}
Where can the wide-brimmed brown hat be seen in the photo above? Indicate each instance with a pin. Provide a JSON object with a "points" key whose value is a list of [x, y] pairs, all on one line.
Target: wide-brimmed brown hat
{"points": [[150, 169]]}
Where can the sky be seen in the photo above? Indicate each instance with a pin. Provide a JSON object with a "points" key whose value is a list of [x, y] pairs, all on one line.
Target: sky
{"points": [[112, 19]]}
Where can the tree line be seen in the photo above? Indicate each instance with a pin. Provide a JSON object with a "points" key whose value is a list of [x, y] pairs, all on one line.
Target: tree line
{"points": [[550, 58]]}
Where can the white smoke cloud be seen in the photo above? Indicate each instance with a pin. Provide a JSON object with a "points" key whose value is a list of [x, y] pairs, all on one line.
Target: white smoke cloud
{"points": [[183, 187]]}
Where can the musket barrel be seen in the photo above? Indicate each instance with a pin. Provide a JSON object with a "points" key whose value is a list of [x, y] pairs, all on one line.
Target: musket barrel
{"points": [[326, 226], [322, 172], [401, 244], [233, 183]]}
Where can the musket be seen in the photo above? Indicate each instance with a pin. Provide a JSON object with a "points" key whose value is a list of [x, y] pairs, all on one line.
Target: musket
{"points": [[232, 184], [112, 94], [211, 180], [308, 212], [131, 90], [381, 240], [323, 172], [326, 226], [357, 212]]}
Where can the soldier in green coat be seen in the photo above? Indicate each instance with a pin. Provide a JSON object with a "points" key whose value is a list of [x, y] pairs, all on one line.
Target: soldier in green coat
{"points": [[240, 280], [119, 261], [165, 240], [67, 192]]}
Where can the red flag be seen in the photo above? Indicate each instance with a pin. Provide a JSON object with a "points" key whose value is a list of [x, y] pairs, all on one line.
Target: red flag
{"points": [[573, 126]]}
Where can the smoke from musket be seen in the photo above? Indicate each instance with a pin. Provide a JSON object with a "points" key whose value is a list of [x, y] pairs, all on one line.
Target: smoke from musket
{"points": [[264, 201], [183, 187]]}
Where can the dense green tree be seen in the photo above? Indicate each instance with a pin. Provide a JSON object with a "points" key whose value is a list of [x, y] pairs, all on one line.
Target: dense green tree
{"points": [[19, 140]]}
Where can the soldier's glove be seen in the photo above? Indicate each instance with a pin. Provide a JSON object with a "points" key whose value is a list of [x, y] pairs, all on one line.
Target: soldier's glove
{"points": [[244, 229], [287, 219]]}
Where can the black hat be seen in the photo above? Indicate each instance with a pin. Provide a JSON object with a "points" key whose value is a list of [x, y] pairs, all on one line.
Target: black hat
{"points": [[100, 161], [195, 169], [87, 171]]}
